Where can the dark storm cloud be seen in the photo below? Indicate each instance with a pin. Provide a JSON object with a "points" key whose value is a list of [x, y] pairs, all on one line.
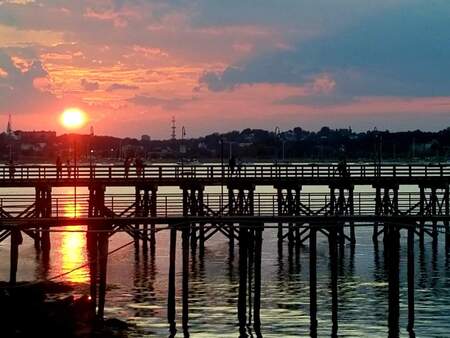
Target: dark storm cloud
{"points": [[397, 53]]}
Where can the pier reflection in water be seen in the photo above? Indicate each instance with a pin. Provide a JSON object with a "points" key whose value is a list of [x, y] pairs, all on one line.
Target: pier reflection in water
{"points": [[371, 294], [365, 294]]}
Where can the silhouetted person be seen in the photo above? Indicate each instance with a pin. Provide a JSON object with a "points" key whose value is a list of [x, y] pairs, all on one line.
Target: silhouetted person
{"points": [[232, 164], [58, 167], [239, 166], [12, 169], [342, 168], [342, 165], [69, 169], [139, 166], [126, 165]]}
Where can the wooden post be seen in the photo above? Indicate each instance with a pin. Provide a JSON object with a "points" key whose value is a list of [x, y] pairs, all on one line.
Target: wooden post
{"points": [[313, 280], [447, 213], [103, 239], [185, 278], [171, 286], [242, 298], [334, 277], [16, 240], [377, 212], [352, 212], [153, 213], [231, 240], [91, 238], [258, 257], [251, 243], [422, 213], [280, 212], [47, 212], [137, 209], [392, 255], [410, 278]]}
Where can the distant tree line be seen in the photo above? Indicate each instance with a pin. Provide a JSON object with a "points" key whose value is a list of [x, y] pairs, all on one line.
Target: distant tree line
{"points": [[248, 144]]}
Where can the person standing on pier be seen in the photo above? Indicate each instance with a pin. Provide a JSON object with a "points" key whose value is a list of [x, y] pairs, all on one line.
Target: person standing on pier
{"points": [[69, 169], [232, 164], [126, 165], [58, 167], [139, 166]]}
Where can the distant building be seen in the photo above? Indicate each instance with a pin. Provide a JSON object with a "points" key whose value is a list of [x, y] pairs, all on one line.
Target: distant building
{"points": [[36, 136], [145, 138]]}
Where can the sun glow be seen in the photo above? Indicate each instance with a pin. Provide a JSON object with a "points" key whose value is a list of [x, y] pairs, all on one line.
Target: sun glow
{"points": [[73, 118]]}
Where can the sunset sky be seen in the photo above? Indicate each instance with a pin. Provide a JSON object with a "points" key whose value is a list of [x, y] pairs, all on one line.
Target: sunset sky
{"points": [[222, 65]]}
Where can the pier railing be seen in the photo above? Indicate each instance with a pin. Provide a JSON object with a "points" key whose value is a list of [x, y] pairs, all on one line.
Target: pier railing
{"points": [[216, 171], [171, 205]]}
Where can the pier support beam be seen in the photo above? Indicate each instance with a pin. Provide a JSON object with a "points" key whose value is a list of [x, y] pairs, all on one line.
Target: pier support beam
{"points": [[97, 246], [185, 279], [392, 260], [334, 253], [434, 201], [16, 240], [171, 286], [342, 203], [250, 251], [313, 281], [411, 263], [288, 204], [240, 202], [145, 206], [43, 209], [193, 205], [386, 204]]}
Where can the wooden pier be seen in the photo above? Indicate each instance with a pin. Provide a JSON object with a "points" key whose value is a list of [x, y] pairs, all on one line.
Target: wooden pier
{"points": [[239, 213]]}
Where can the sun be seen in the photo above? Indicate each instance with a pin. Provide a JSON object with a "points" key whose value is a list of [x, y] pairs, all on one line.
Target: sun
{"points": [[73, 118]]}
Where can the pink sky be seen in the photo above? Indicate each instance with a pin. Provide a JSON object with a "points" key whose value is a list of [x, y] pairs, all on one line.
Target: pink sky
{"points": [[132, 65]]}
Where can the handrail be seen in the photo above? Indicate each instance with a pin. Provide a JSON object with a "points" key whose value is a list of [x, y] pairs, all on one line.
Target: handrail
{"points": [[215, 171], [171, 204]]}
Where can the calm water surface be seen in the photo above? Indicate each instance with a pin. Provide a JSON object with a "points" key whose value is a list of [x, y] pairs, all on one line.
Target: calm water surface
{"points": [[138, 286]]}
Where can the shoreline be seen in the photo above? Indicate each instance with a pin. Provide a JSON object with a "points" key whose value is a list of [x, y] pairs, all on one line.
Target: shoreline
{"points": [[43, 309]]}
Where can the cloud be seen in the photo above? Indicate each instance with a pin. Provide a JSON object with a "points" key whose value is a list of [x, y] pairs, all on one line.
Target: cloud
{"points": [[89, 86], [152, 101], [396, 53], [120, 86], [21, 90]]}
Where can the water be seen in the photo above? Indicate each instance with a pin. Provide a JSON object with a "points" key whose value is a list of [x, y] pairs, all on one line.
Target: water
{"points": [[138, 286]]}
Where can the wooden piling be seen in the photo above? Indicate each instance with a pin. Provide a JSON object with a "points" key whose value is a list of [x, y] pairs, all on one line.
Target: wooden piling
{"points": [[251, 242], [392, 255], [16, 240], [257, 287], [334, 278], [378, 205], [243, 270], [103, 239], [185, 278], [171, 285], [91, 239], [422, 213], [447, 213], [410, 278], [313, 280]]}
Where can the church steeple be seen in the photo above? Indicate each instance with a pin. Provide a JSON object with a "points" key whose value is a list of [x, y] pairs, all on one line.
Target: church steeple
{"points": [[9, 130]]}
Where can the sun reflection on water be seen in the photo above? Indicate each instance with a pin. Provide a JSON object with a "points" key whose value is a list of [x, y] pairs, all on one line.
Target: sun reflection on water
{"points": [[73, 254], [73, 247], [72, 209]]}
